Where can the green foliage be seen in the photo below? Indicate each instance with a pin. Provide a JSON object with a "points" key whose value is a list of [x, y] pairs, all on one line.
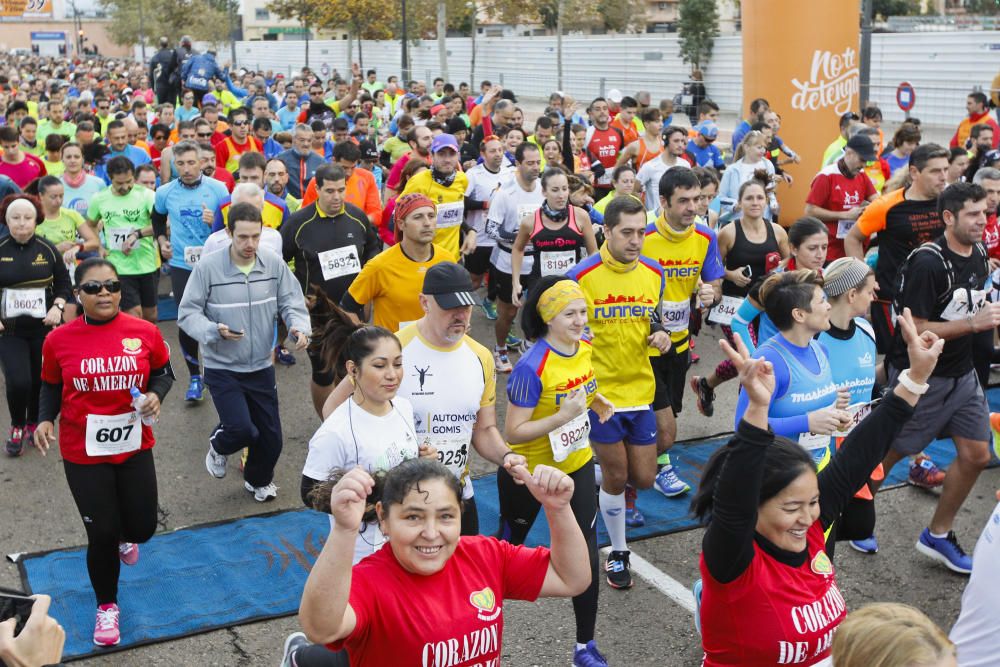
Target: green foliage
{"points": [[201, 19], [697, 27], [887, 8]]}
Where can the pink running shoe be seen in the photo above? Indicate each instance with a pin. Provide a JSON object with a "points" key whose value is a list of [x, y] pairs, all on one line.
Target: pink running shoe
{"points": [[128, 553], [106, 628]]}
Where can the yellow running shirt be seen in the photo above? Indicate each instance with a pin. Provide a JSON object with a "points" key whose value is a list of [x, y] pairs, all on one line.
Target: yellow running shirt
{"points": [[685, 257], [392, 282], [450, 206], [621, 302], [541, 379]]}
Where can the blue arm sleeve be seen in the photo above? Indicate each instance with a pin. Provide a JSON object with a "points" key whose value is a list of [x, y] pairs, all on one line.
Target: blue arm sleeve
{"points": [[234, 89], [790, 427], [741, 321], [217, 223], [524, 388], [596, 217]]}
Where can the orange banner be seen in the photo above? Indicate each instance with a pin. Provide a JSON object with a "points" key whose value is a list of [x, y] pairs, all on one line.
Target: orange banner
{"points": [[802, 57], [29, 8]]}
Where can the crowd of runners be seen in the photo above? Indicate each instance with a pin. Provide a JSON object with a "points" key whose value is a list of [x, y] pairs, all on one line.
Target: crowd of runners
{"points": [[364, 221]]}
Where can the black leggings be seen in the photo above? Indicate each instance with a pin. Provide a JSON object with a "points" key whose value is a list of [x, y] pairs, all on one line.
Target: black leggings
{"points": [[518, 511], [856, 522], [189, 346], [21, 358], [117, 502]]}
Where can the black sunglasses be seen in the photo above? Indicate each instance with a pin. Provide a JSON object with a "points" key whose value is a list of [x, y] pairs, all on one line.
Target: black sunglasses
{"points": [[241, 123], [204, 134], [93, 287]]}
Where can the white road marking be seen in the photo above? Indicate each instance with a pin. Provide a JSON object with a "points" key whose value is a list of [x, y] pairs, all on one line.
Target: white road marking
{"points": [[663, 582]]}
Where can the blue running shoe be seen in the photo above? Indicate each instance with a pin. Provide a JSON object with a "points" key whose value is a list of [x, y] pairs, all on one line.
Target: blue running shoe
{"points": [[634, 518], [514, 343], [865, 546], [696, 591], [669, 484], [945, 550], [589, 656], [489, 309], [283, 356], [196, 390]]}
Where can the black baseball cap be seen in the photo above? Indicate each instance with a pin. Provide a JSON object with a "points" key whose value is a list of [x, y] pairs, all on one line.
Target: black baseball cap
{"points": [[863, 146], [450, 285], [368, 150]]}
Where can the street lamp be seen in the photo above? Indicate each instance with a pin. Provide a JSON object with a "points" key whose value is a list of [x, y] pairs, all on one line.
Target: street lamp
{"points": [[406, 59]]}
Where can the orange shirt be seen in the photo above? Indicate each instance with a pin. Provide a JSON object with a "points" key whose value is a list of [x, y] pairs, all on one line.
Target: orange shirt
{"points": [[629, 133], [361, 191]]}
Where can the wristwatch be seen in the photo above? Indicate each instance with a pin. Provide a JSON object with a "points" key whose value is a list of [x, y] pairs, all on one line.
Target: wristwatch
{"points": [[60, 306]]}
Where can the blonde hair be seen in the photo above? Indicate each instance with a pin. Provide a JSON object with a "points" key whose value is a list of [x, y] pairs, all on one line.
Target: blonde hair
{"points": [[888, 634], [752, 137]]}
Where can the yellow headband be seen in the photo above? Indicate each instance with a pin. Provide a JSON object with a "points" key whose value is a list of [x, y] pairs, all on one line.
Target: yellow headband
{"points": [[557, 297]]}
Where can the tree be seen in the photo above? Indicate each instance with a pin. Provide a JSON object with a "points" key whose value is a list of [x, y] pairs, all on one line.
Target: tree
{"points": [[303, 11], [698, 26], [362, 20], [982, 7], [171, 18], [621, 15], [887, 8]]}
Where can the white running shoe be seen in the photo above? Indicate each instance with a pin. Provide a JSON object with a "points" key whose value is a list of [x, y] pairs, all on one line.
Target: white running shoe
{"points": [[262, 494], [215, 463]]}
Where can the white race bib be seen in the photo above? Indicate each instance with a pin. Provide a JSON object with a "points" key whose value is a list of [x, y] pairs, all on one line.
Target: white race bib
{"points": [[450, 215], [115, 237], [724, 311], [959, 307], [572, 436], [192, 254], [687, 100], [28, 302], [108, 435], [843, 227], [557, 263], [816, 444], [452, 451], [858, 411], [340, 262], [526, 209], [676, 315]]}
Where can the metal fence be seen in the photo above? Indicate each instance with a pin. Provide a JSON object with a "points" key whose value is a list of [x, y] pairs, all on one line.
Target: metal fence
{"points": [[942, 67]]}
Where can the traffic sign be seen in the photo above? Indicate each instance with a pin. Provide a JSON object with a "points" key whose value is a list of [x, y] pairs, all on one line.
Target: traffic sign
{"points": [[906, 96]]}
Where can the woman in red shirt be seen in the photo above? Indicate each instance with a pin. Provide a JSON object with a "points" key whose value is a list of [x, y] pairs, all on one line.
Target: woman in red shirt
{"points": [[89, 367], [429, 596], [770, 594]]}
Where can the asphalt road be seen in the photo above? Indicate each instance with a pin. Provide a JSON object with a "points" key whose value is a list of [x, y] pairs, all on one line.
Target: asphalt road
{"points": [[638, 627]]}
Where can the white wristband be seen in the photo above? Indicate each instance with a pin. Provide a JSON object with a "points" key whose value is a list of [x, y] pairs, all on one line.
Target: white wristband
{"points": [[911, 386]]}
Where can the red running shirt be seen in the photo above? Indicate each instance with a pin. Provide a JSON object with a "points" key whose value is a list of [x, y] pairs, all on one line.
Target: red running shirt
{"points": [[773, 614], [453, 618], [96, 365]]}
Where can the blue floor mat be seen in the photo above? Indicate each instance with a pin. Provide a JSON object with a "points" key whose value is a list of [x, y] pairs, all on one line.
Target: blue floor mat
{"points": [[189, 581], [166, 309], [195, 579]]}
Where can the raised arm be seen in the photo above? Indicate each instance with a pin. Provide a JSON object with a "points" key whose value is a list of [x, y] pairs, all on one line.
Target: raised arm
{"points": [[728, 541], [866, 445], [324, 612]]}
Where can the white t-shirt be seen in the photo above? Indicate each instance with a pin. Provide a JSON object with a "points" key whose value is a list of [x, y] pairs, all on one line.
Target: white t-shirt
{"points": [[508, 206], [649, 177], [352, 436], [216, 241], [447, 387], [483, 183], [978, 626]]}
